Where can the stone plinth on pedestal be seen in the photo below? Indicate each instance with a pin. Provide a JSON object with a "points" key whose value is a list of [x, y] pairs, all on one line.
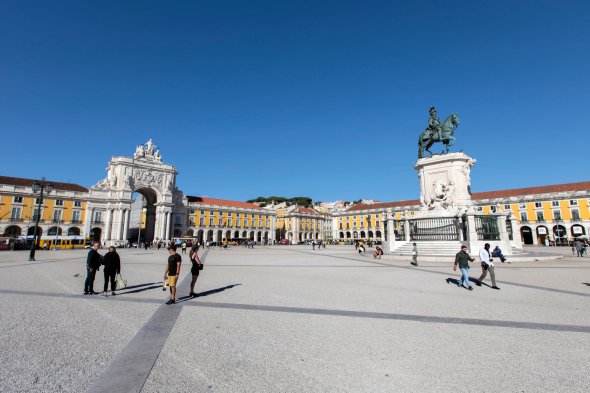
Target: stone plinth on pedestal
{"points": [[445, 184]]}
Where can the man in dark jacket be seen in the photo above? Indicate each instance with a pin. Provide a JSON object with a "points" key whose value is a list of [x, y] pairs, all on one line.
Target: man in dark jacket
{"points": [[462, 259], [112, 267], [92, 266]]}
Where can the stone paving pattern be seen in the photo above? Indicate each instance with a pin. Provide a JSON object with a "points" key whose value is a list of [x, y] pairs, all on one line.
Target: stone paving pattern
{"points": [[290, 319]]}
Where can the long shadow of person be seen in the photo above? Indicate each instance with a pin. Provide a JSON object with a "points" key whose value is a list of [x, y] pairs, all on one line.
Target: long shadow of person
{"points": [[207, 293], [141, 288], [471, 279]]}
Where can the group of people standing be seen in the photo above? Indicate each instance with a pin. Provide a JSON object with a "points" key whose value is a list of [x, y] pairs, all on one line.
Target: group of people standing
{"points": [[111, 263], [112, 266]]}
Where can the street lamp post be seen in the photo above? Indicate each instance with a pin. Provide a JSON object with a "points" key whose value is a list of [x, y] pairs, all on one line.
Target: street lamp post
{"points": [[38, 187]]}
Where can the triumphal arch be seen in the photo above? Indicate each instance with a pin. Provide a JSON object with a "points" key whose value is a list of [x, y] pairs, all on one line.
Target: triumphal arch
{"points": [[113, 209]]}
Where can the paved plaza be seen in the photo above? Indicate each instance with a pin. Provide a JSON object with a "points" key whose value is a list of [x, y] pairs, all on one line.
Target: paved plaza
{"points": [[293, 319]]}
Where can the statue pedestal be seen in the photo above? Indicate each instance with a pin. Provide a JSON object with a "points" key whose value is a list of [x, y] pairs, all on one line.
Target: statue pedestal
{"points": [[445, 184]]}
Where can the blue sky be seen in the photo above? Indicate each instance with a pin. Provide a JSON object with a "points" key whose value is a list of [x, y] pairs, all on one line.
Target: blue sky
{"points": [[317, 98]]}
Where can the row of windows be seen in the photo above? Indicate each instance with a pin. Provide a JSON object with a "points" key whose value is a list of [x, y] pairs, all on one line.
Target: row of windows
{"points": [[16, 214], [58, 202]]}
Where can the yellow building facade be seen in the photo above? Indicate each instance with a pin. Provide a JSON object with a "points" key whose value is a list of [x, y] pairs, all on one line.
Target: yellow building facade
{"points": [[61, 212], [545, 215], [219, 220]]}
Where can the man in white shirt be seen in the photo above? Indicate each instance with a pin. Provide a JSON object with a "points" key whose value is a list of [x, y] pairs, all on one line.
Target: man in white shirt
{"points": [[486, 264]]}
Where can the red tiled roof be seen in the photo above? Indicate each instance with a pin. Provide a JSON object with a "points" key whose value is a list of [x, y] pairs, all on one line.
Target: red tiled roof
{"points": [[582, 186], [22, 182], [382, 205], [222, 202]]}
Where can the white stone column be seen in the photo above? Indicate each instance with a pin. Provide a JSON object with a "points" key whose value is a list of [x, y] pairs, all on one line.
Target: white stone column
{"points": [[126, 226], [407, 229], [107, 225], [389, 245], [516, 235], [168, 216], [116, 225]]}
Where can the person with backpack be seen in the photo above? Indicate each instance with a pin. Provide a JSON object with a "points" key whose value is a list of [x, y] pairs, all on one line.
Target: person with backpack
{"points": [[378, 252], [487, 265]]}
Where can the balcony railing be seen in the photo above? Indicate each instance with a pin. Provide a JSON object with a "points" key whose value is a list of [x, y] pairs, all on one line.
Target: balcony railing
{"points": [[97, 222]]}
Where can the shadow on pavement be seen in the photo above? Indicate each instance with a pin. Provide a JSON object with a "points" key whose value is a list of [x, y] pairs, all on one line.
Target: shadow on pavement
{"points": [[207, 293], [471, 279], [141, 288]]}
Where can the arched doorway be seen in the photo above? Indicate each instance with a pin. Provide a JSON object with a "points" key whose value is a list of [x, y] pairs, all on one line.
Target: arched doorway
{"points": [[190, 233], [12, 231], [54, 231], [177, 232], [31, 231], [378, 235], [578, 230], [74, 231], [370, 234], [143, 215], [560, 234], [341, 235], [236, 234], [526, 234], [96, 234], [542, 234]]}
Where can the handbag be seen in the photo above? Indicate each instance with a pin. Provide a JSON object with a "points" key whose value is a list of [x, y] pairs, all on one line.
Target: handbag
{"points": [[120, 283], [201, 266]]}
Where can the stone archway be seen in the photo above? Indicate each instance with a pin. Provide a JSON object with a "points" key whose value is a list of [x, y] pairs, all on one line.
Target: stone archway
{"points": [[53, 231], [146, 174], [96, 235], [12, 231], [31, 231], [74, 231]]}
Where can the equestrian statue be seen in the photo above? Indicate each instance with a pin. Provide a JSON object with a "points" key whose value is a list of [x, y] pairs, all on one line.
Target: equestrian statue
{"points": [[437, 132]]}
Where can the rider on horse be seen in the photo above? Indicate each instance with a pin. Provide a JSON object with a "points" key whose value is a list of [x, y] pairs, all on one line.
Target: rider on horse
{"points": [[433, 129]]}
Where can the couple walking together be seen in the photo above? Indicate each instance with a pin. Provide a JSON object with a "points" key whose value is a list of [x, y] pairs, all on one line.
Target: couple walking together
{"points": [[463, 258]]}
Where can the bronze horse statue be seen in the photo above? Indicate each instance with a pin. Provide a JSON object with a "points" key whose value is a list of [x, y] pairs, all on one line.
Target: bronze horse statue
{"points": [[446, 135]]}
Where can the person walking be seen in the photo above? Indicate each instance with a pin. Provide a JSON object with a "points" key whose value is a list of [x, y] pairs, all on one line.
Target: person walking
{"points": [[145, 245], [92, 266], [378, 252], [313, 245], [486, 265], [196, 267], [183, 247], [414, 254], [462, 259], [112, 267], [579, 247], [172, 271]]}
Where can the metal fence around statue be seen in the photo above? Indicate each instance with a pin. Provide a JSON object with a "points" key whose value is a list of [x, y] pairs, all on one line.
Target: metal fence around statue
{"points": [[435, 229], [487, 228]]}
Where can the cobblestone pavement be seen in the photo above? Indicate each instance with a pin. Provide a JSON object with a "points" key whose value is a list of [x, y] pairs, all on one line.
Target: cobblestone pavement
{"points": [[293, 319]]}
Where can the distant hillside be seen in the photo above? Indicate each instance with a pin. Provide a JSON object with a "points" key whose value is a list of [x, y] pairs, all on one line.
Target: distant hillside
{"points": [[300, 201]]}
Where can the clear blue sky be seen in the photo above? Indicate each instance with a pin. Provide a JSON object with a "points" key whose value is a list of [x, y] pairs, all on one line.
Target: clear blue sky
{"points": [[317, 98]]}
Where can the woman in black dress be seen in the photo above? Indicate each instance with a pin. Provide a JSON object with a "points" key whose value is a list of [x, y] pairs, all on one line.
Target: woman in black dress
{"points": [[112, 267], [195, 268]]}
